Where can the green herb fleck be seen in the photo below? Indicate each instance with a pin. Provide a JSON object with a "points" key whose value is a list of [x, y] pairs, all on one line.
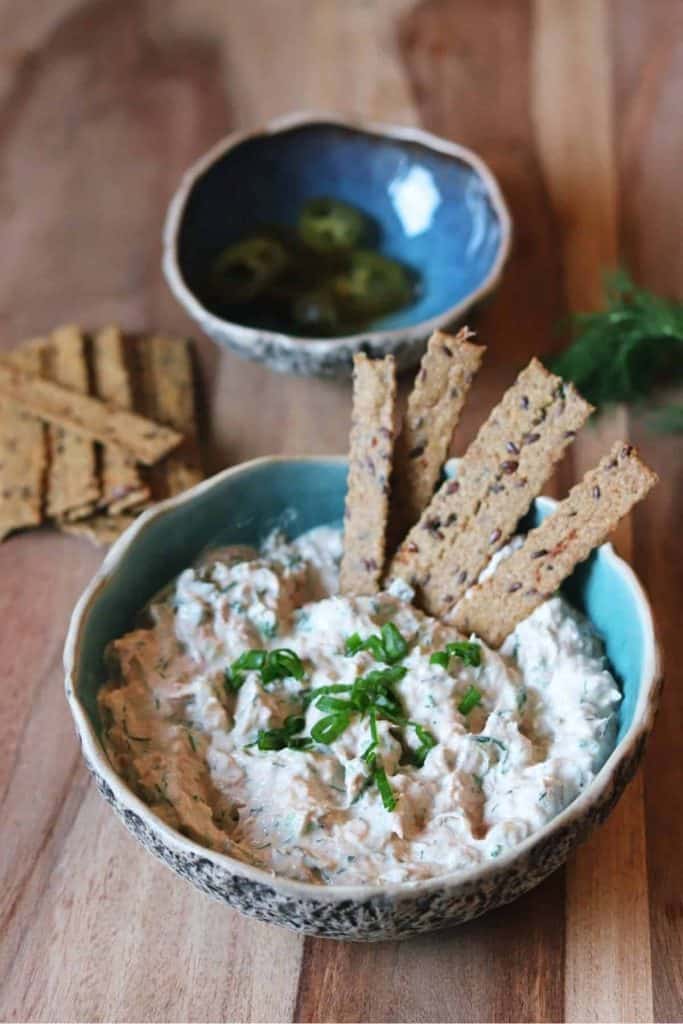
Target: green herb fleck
{"points": [[468, 651], [385, 791], [427, 742], [284, 736], [328, 729], [470, 701], [390, 646]]}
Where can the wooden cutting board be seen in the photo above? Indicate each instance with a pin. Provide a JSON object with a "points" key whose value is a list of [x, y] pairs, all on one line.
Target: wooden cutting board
{"points": [[576, 104]]}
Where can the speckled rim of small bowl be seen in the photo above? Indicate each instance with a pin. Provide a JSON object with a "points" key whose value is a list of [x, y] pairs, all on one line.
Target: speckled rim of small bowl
{"points": [[643, 719], [316, 348]]}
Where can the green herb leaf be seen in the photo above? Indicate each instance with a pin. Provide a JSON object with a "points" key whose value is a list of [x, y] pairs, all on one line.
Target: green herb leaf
{"points": [[310, 695], [353, 645], [390, 647], [468, 651], [281, 664], [271, 739], [369, 754], [470, 700], [294, 724], [382, 783], [250, 661], [327, 703], [284, 736], [328, 729], [394, 643], [300, 743], [427, 742], [622, 352]]}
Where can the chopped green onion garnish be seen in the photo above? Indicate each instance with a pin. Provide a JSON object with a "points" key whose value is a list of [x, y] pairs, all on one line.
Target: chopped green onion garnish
{"points": [[427, 741], [353, 645], [389, 647], [284, 736], [334, 704], [468, 652], [328, 729], [395, 646], [382, 782], [310, 695], [470, 700], [281, 664]]}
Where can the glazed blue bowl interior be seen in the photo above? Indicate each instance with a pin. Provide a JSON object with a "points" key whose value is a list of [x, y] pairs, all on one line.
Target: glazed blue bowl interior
{"points": [[296, 496], [432, 210]]}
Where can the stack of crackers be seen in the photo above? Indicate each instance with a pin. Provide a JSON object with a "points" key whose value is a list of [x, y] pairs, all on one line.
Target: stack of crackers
{"points": [[93, 428], [448, 535]]}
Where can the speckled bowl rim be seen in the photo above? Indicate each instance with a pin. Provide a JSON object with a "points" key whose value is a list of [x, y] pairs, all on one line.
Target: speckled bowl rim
{"points": [[643, 718], [317, 348]]}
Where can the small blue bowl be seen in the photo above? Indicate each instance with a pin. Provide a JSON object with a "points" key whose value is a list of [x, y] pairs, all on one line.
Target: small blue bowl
{"points": [[242, 505], [438, 207]]}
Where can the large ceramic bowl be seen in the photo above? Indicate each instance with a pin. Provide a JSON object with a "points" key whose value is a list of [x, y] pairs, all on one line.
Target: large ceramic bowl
{"points": [[243, 505], [438, 207]]}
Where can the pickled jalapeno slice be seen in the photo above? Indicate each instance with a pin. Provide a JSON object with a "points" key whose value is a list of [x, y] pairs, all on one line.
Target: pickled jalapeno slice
{"points": [[372, 284], [329, 225], [246, 269]]}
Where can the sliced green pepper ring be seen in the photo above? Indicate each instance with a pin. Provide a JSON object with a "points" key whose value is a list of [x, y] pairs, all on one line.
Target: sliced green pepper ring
{"points": [[244, 270], [316, 313], [328, 225], [372, 284]]}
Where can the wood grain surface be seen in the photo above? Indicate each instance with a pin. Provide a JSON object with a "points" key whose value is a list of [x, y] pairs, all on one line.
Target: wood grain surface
{"points": [[576, 104]]}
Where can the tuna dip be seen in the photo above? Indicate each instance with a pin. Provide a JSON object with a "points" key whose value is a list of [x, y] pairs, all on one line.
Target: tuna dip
{"points": [[349, 740]]}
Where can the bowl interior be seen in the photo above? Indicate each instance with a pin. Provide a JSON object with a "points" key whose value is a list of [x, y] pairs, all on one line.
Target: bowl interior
{"points": [[433, 210], [244, 505]]}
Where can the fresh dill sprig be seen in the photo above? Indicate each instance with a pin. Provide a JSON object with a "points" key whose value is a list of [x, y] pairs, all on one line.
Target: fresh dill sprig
{"points": [[623, 352]]}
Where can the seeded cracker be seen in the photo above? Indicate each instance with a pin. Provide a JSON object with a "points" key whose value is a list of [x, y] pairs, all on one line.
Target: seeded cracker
{"points": [[500, 474], [23, 452], [169, 397], [580, 523], [87, 416], [433, 412], [122, 486], [371, 448], [72, 487]]}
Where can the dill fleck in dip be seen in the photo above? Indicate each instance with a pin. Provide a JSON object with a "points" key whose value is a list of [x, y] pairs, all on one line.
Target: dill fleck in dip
{"points": [[347, 741]]}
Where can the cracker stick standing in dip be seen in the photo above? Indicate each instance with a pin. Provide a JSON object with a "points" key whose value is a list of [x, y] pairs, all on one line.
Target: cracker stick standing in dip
{"points": [[373, 426], [549, 553], [434, 407], [500, 474]]}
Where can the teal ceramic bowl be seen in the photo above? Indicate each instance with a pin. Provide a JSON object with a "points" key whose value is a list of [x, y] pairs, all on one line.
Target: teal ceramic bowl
{"points": [[435, 205], [242, 505]]}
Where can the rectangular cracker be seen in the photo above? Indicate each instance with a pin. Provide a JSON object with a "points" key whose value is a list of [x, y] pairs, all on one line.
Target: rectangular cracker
{"points": [[550, 552], [434, 407], [168, 388], [122, 485], [72, 483], [373, 425], [23, 451], [500, 474], [87, 416], [100, 530]]}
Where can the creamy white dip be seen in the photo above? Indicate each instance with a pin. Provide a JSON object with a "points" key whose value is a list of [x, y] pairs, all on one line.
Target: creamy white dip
{"points": [[183, 726]]}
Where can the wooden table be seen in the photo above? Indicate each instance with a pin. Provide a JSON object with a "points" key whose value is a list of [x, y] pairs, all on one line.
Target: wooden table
{"points": [[576, 104]]}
